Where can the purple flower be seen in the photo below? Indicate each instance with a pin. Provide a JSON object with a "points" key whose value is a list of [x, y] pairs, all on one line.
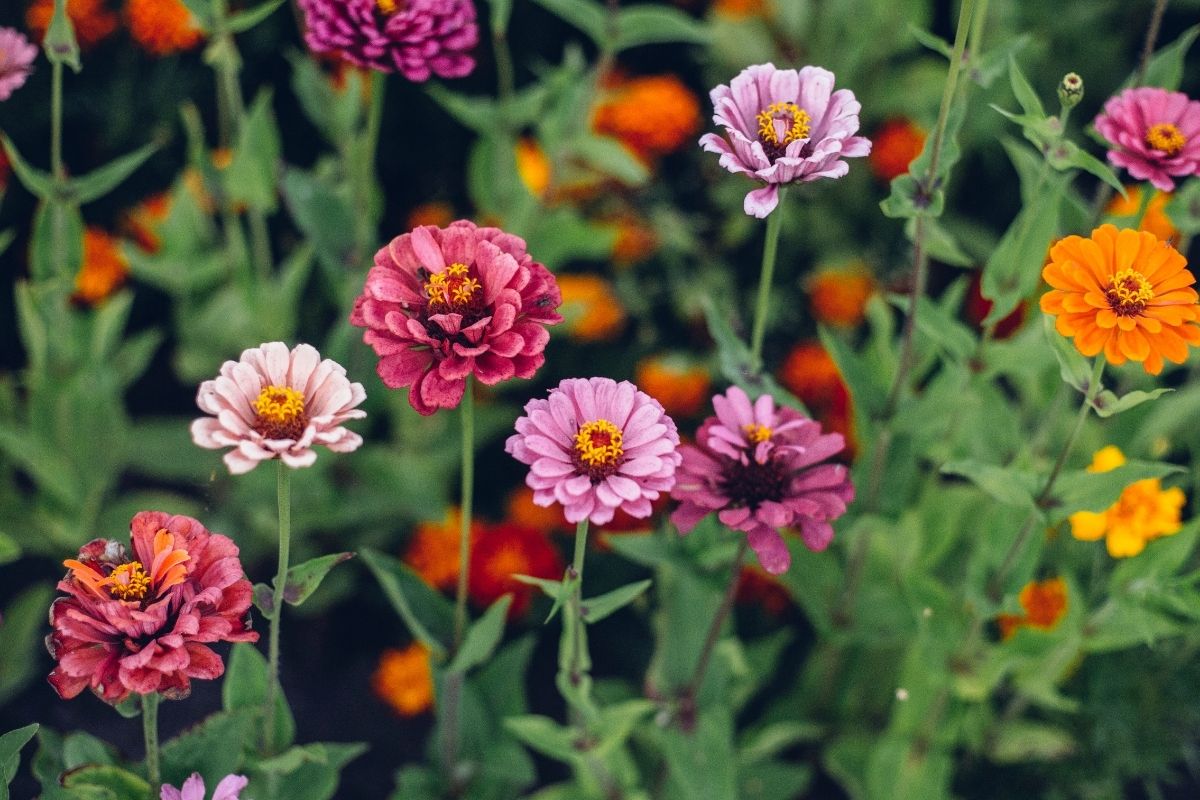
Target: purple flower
{"points": [[595, 445], [784, 126], [418, 38], [193, 789], [760, 468], [16, 61], [1155, 134]]}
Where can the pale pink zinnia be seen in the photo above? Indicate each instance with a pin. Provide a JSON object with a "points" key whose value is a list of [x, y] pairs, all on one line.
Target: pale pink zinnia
{"points": [[442, 304], [1155, 134], [782, 127], [595, 446], [16, 61], [272, 403], [143, 622], [763, 468], [230, 788]]}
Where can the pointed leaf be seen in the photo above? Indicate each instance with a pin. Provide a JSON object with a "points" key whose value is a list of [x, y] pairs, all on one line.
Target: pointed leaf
{"points": [[10, 754], [597, 608], [245, 688], [653, 24], [245, 20], [103, 180], [586, 15], [1165, 67], [39, 183], [303, 579], [1107, 404], [482, 637], [1008, 486], [429, 617], [1025, 94]]}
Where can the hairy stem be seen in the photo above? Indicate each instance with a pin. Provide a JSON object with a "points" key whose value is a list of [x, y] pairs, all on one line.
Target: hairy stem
{"points": [[284, 499], [150, 735]]}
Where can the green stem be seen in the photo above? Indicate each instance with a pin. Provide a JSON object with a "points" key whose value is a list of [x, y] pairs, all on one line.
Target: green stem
{"points": [[56, 120], [1152, 29], [576, 666], [505, 75], [718, 622], [761, 308], [283, 487], [1148, 192], [467, 414], [362, 167], [150, 734], [966, 12]]}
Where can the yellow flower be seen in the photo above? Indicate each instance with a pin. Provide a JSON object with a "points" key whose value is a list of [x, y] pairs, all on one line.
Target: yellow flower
{"points": [[404, 680], [1145, 511], [591, 310]]}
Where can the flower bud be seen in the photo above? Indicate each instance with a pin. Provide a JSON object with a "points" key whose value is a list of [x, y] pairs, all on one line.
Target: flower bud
{"points": [[1070, 90]]}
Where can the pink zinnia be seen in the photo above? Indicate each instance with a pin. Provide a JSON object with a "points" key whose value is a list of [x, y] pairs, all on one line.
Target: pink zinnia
{"points": [[16, 61], [418, 38], [1155, 134], [230, 788], [442, 304], [783, 126], [144, 623], [273, 403], [595, 446], [761, 469]]}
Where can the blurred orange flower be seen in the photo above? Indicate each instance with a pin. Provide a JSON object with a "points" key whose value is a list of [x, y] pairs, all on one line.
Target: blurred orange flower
{"points": [[1144, 512], [1044, 603], [591, 310], [839, 294], [739, 9], [435, 212], [1155, 221], [635, 242], [141, 223], [810, 373], [433, 550], [93, 20], [404, 680], [162, 27], [104, 268], [520, 509], [507, 549], [652, 115], [533, 167], [757, 587], [897, 142], [682, 388]]}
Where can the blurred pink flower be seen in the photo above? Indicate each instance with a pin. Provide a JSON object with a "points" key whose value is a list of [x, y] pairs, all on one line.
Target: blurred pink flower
{"points": [[274, 403], [144, 624], [16, 61], [1155, 134], [595, 445], [442, 304], [229, 788], [761, 469], [783, 126], [418, 38]]}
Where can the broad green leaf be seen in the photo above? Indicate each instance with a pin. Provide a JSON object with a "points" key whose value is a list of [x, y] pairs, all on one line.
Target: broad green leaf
{"points": [[245, 689], [586, 15], [1095, 491], [1165, 67], [56, 246], [545, 736], [116, 783], [253, 176], [597, 608], [1108, 404], [656, 24], [1005, 485], [245, 20], [429, 617], [44, 462], [304, 579], [323, 214], [10, 754], [1072, 366], [946, 332], [610, 157], [482, 637], [101, 181], [20, 638]]}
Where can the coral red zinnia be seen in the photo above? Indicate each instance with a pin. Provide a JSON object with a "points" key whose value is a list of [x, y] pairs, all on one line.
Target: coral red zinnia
{"points": [[506, 550], [143, 622]]}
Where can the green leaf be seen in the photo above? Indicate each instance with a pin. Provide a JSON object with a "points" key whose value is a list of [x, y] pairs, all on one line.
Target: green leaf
{"points": [[429, 617], [1095, 491], [20, 638], [545, 736], [597, 608], [1072, 366], [865, 383], [245, 20], [1077, 157], [116, 783], [303, 579], [482, 637], [946, 332], [610, 157], [40, 184], [585, 15], [940, 244], [245, 688], [654, 24], [736, 363], [1005, 485], [552, 589], [1025, 94], [931, 41], [44, 462], [253, 177], [10, 754], [10, 551], [324, 216], [103, 180], [1107, 404], [1165, 67]]}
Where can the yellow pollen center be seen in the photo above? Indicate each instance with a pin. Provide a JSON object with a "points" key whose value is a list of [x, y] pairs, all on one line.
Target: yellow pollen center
{"points": [[780, 124], [452, 288], [756, 433], [1129, 293], [598, 444], [128, 581], [386, 7], [1166, 137], [279, 405]]}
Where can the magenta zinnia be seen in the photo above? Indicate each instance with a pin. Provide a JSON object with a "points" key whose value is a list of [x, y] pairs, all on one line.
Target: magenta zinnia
{"points": [[763, 468], [595, 446], [276, 403], [143, 622], [230, 788], [418, 38], [442, 304], [782, 127], [16, 61], [1155, 134]]}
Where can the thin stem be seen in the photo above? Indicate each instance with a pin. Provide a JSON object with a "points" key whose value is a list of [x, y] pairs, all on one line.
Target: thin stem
{"points": [[283, 487], [581, 534], [718, 623], [364, 169], [505, 74], [966, 11], [1152, 29], [576, 576], [761, 308], [1148, 192], [467, 414], [150, 734], [56, 120]]}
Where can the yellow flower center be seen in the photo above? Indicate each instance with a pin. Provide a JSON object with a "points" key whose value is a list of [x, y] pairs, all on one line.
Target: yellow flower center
{"points": [[129, 581], [780, 124], [1128, 293], [757, 434], [452, 288], [1166, 137], [280, 412], [386, 7], [598, 448]]}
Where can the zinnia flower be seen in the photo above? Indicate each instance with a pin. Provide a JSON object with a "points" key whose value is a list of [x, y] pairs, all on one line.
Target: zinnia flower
{"points": [[1124, 293], [1144, 512], [520, 509], [418, 38], [782, 127], [144, 623], [230, 787], [17, 55], [595, 446], [104, 268], [810, 373], [433, 550], [1155, 219], [590, 307], [681, 387], [652, 115], [442, 304], [1155, 134], [839, 294], [897, 142], [272, 403], [162, 27], [1044, 603], [92, 20], [404, 680], [761, 468], [503, 551], [533, 165], [143, 222]]}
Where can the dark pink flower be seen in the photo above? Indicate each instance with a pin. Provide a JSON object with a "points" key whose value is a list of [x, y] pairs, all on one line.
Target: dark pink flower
{"points": [[418, 38], [230, 788], [143, 623], [1155, 134], [762, 468], [783, 126], [595, 446], [442, 304], [16, 61]]}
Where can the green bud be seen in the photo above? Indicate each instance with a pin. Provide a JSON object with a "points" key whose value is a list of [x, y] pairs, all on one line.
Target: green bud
{"points": [[1070, 90], [60, 44]]}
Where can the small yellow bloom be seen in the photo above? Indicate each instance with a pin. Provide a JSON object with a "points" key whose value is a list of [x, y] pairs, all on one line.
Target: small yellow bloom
{"points": [[404, 680], [1144, 512]]}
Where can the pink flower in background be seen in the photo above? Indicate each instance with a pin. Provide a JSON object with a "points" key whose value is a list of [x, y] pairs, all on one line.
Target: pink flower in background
{"points": [[275, 403], [595, 445], [16, 61], [442, 304], [418, 38], [1155, 134], [783, 126], [143, 622], [762, 468], [230, 788]]}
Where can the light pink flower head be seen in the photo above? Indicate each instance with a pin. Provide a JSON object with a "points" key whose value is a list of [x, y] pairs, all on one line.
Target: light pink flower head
{"points": [[783, 126], [761, 468], [143, 622], [442, 304], [595, 445], [1155, 134], [229, 788], [272, 403], [17, 55]]}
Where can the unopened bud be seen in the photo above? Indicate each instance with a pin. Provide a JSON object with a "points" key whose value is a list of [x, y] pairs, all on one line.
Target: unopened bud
{"points": [[1070, 90]]}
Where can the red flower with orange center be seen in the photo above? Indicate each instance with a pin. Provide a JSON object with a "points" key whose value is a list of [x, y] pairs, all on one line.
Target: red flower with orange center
{"points": [[895, 145], [433, 550], [504, 550]]}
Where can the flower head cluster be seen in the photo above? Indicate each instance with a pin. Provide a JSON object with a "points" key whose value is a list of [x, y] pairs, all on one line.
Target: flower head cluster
{"points": [[17, 55], [1155, 134], [1044, 604], [505, 550], [782, 127], [162, 27], [404, 680], [762, 468], [1144, 512], [144, 621], [230, 788]]}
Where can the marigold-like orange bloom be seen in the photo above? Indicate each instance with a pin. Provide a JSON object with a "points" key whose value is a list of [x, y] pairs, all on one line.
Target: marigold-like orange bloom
{"points": [[839, 294], [521, 510], [739, 9], [436, 213], [635, 242], [652, 115], [93, 20], [533, 166], [682, 388], [104, 267], [1155, 221], [141, 223], [1044, 603], [404, 680], [1144, 512], [590, 309], [809, 373], [162, 27], [894, 146], [433, 550], [1124, 293], [503, 551]]}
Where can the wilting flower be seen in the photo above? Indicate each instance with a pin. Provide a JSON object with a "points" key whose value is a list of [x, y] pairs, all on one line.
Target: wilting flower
{"points": [[520, 509], [680, 386], [1155, 134], [104, 268], [839, 294], [1124, 293], [1144, 512], [418, 38], [230, 787], [595, 445], [1155, 219], [503, 551], [762, 468], [590, 308], [162, 27], [894, 146], [782, 127], [404, 680], [1044, 603], [143, 622], [17, 55], [272, 403], [434, 548], [92, 19], [442, 304], [652, 115]]}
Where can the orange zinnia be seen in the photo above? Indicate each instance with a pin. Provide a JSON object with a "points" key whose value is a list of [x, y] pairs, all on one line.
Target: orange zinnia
{"points": [[652, 115], [591, 309], [93, 20], [895, 145], [404, 680], [162, 27], [433, 550], [104, 268], [839, 294], [1124, 293], [681, 387], [1044, 604]]}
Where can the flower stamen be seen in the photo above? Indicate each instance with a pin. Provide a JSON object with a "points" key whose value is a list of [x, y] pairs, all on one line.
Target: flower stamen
{"points": [[452, 288], [757, 434], [1166, 137], [780, 124], [386, 7], [599, 448], [1128, 293], [280, 413]]}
